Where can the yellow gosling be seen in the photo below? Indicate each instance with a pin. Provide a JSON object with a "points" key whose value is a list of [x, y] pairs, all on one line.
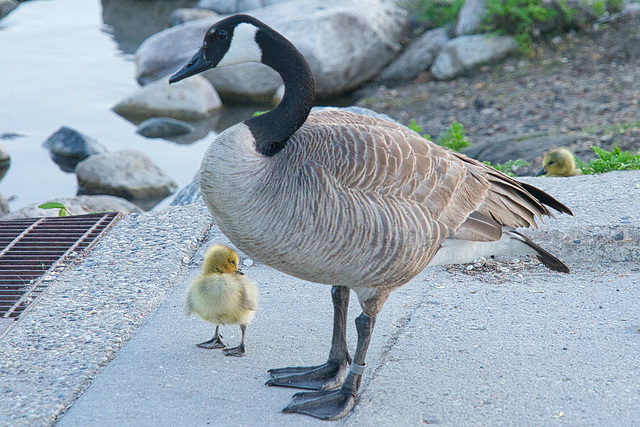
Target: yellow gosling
{"points": [[559, 162], [222, 295]]}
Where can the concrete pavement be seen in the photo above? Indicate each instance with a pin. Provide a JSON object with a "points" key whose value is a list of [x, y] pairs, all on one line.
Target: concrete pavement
{"points": [[503, 343]]}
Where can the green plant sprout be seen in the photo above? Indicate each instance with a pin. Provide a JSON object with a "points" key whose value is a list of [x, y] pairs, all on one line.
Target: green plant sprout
{"points": [[55, 205], [454, 137]]}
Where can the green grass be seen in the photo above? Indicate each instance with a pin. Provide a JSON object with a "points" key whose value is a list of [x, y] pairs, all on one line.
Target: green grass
{"points": [[438, 12], [507, 167], [608, 161], [453, 138], [517, 18]]}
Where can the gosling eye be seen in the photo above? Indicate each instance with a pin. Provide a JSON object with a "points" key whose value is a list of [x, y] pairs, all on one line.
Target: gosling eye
{"points": [[232, 262], [222, 34], [550, 163]]}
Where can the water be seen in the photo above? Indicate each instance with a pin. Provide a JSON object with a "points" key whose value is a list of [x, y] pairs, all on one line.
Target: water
{"points": [[61, 65]]}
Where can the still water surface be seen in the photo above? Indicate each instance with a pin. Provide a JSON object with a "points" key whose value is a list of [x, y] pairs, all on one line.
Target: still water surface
{"points": [[61, 65]]}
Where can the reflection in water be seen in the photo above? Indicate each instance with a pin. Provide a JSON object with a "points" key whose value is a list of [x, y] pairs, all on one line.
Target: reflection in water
{"points": [[132, 21]]}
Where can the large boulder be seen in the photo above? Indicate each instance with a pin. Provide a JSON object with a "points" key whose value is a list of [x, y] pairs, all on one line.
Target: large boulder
{"points": [[128, 173], [466, 52], [190, 99], [235, 6], [346, 43], [417, 57], [76, 206]]}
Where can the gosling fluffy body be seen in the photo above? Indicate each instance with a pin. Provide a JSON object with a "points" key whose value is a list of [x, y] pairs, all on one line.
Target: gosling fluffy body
{"points": [[222, 295], [559, 162]]}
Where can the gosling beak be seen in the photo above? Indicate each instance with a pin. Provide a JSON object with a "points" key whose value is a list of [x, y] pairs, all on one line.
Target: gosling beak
{"points": [[239, 272], [197, 65], [542, 171]]}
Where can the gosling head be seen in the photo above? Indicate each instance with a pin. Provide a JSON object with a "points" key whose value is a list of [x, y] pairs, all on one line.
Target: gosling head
{"points": [[558, 162], [220, 259]]}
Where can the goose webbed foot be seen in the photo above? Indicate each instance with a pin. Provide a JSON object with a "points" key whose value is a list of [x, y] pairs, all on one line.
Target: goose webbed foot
{"points": [[215, 342], [238, 351], [326, 404], [329, 375]]}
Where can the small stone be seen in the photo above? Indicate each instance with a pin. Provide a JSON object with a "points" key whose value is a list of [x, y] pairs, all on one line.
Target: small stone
{"points": [[164, 127], [247, 262]]}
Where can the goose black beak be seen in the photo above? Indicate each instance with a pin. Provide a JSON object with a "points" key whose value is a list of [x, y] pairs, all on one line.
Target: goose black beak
{"points": [[542, 172], [196, 65]]}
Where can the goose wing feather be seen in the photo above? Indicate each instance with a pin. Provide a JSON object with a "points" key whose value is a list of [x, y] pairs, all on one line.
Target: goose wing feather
{"points": [[376, 156]]}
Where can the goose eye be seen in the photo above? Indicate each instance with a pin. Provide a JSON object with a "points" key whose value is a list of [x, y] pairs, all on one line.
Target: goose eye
{"points": [[222, 34], [550, 163], [232, 262]]}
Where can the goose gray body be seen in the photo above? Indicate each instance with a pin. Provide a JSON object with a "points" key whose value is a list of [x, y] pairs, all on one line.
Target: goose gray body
{"points": [[347, 200], [358, 201]]}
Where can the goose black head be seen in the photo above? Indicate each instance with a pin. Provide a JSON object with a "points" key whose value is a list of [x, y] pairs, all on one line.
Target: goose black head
{"points": [[228, 42]]}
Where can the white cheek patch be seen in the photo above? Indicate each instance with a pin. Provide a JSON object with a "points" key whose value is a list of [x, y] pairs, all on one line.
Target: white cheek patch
{"points": [[243, 46]]}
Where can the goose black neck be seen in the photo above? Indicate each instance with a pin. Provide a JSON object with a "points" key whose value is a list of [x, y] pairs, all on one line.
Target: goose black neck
{"points": [[272, 130]]}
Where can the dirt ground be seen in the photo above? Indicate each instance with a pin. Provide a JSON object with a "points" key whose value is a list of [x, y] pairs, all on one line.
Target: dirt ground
{"points": [[577, 90]]}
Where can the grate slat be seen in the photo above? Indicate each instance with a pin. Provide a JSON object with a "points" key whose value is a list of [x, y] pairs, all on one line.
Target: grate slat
{"points": [[32, 248]]}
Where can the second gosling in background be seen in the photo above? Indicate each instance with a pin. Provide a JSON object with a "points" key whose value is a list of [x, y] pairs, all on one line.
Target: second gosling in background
{"points": [[559, 162], [222, 295]]}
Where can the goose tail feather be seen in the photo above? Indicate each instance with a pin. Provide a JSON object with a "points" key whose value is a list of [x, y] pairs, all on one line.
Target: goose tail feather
{"points": [[543, 256]]}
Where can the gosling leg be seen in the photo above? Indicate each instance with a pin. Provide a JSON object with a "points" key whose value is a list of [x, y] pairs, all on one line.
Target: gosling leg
{"points": [[331, 374], [335, 404], [238, 351], [215, 342]]}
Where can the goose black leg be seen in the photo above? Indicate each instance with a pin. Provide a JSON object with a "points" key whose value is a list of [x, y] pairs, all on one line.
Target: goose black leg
{"points": [[215, 342], [331, 374], [335, 404], [238, 351]]}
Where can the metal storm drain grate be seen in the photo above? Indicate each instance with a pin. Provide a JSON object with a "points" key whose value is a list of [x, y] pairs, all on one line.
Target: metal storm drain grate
{"points": [[35, 250]]}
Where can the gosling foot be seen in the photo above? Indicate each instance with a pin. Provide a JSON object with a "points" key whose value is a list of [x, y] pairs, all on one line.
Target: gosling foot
{"points": [[238, 351], [215, 342], [327, 376], [325, 405]]}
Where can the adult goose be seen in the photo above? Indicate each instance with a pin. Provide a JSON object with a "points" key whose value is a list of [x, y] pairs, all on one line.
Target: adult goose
{"points": [[347, 200]]}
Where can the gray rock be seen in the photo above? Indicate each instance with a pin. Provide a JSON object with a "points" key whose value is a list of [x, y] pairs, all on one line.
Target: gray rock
{"points": [[68, 147], [76, 206], [345, 42], [127, 173], [6, 7], [191, 99], [470, 16], [235, 6], [189, 193], [164, 127], [417, 58], [186, 14], [4, 206], [466, 52], [5, 161]]}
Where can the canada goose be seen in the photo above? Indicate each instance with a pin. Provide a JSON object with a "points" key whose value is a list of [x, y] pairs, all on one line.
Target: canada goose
{"points": [[222, 295], [347, 200], [559, 162]]}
